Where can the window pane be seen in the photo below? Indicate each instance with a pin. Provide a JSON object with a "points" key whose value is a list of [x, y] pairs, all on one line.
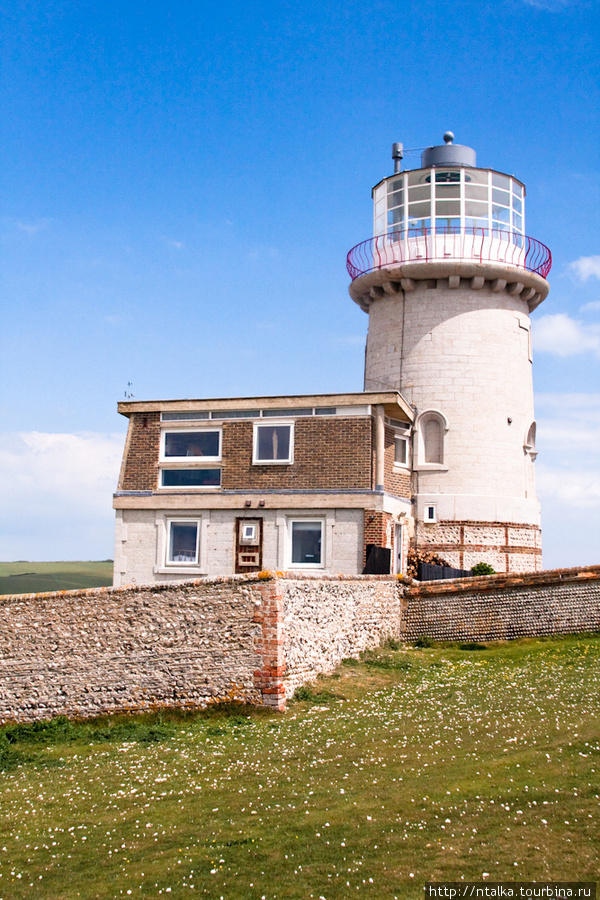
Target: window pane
{"points": [[447, 208], [423, 192], [395, 199], [183, 542], [502, 197], [395, 185], [445, 177], [419, 226], [500, 181], [306, 542], [517, 205], [418, 177], [325, 410], [276, 413], [234, 413], [396, 216], [419, 210], [476, 192], [401, 453], [517, 189], [476, 176], [191, 478], [175, 416], [192, 443], [273, 442], [501, 213], [476, 223], [446, 223], [517, 221], [447, 190], [473, 208]]}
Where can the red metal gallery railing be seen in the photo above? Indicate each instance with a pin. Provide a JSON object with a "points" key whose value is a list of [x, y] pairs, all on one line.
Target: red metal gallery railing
{"points": [[470, 244]]}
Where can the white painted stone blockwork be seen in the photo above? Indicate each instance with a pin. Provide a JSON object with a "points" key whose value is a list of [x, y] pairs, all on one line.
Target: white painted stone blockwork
{"points": [[141, 534]]}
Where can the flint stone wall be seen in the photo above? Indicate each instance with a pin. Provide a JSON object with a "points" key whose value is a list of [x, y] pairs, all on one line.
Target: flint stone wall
{"points": [[504, 607], [326, 621], [84, 653]]}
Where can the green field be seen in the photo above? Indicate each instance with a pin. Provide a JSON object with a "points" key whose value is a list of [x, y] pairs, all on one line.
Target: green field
{"points": [[411, 765], [33, 577]]}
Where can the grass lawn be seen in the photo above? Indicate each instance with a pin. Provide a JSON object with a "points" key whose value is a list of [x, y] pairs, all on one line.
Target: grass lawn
{"points": [[34, 577], [412, 765]]}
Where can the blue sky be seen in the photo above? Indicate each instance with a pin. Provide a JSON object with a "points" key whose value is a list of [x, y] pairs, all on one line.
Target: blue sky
{"points": [[181, 182]]}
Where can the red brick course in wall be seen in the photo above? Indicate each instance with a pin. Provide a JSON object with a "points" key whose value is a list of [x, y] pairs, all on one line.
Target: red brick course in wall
{"points": [[269, 680], [140, 471], [505, 548]]}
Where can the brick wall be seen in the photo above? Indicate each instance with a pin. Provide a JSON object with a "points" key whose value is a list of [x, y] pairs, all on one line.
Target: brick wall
{"points": [[396, 481], [378, 529], [329, 454], [504, 607], [140, 469]]}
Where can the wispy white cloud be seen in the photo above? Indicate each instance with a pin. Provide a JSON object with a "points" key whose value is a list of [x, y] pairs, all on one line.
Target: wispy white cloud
{"points": [[586, 267], [549, 5], [176, 245], [590, 307], [55, 494], [561, 335], [568, 470], [32, 228]]}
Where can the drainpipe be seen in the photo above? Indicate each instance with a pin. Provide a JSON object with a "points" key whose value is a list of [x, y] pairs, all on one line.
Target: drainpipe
{"points": [[379, 446]]}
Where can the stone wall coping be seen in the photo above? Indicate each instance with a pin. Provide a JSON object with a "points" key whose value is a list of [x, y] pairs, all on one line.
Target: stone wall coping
{"points": [[254, 577], [488, 583]]}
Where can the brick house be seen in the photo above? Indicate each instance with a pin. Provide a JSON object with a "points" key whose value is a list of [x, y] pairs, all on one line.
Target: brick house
{"points": [[314, 483]]}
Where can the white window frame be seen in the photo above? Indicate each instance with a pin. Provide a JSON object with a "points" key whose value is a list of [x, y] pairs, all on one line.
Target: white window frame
{"points": [[181, 564], [291, 521], [404, 436], [190, 459], [270, 423], [430, 513]]}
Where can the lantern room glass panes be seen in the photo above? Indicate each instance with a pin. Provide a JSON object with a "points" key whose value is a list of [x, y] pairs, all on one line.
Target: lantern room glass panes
{"points": [[448, 198]]}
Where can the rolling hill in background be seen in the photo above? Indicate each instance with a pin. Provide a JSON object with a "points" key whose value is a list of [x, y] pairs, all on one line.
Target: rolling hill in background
{"points": [[25, 577]]}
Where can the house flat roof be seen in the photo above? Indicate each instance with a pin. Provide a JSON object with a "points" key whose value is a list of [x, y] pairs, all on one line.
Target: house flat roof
{"points": [[396, 407]]}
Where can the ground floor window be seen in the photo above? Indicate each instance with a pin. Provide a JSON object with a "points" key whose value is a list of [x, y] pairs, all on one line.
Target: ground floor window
{"points": [[306, 542], [183, 540]]}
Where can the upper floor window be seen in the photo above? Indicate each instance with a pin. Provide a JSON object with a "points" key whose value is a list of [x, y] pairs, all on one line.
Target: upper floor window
{"points": [[201, 444], [273, 444]]}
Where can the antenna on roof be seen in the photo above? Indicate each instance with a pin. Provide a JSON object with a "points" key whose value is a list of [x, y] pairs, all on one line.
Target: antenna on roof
{"points": [[128, 393]]}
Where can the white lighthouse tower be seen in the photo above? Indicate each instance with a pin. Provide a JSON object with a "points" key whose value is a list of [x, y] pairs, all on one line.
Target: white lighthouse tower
{"points": [[449, 280]]}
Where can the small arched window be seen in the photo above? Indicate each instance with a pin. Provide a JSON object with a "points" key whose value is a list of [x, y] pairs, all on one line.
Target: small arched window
{"points": [[432, 440], [529, 445], [432, 427]]}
